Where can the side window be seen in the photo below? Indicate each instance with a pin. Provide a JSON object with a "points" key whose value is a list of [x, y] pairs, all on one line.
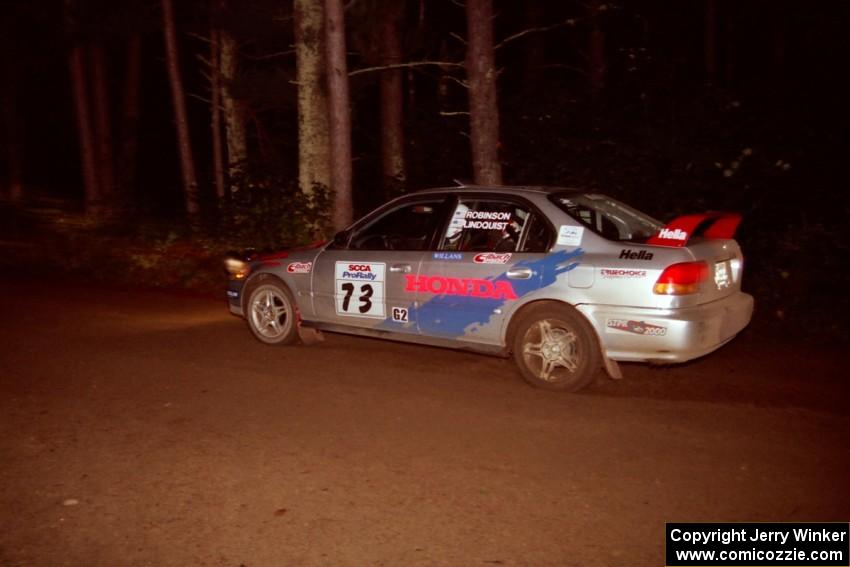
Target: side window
{"points": [[485, 226], [538, 236], [409, 227]]}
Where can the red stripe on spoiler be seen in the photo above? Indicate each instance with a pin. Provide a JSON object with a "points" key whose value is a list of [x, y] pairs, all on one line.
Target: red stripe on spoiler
{"points": [[678, 231]]}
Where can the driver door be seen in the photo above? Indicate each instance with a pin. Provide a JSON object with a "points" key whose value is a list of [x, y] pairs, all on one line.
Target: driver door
{"points": [[363, 282]]}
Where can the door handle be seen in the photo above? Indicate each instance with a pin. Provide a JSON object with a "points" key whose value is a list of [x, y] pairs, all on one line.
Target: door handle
{"points": [[519, 273], [400, 269]]}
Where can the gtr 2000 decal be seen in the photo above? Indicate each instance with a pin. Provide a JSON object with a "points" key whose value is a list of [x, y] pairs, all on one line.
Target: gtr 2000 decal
{"points": [[465, 306], [359, 289], [635, 327]]}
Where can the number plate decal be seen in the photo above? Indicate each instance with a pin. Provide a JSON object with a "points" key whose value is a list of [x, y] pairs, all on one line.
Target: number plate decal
{"points": [[359, 289], [722, 274]]}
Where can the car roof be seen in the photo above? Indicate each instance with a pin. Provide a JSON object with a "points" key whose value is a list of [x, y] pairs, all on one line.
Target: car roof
{"points": [[506, 189]]}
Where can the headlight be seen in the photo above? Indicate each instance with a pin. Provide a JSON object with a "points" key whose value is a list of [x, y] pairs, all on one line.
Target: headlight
{"points": [[237, 268]]}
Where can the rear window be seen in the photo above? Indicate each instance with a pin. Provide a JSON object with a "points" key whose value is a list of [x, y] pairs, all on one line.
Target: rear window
{"points": [[608, 217]]}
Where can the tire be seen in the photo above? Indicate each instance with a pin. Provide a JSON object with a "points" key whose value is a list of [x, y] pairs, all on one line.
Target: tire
{"points": [[555, 348], [271, 314]]}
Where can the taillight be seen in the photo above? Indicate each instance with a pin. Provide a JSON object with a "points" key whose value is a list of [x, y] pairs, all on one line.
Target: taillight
{"points": [[681, 279]]}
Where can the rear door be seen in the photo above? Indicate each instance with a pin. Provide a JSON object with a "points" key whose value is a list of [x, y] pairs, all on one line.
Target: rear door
{"points": [[361, 283]]}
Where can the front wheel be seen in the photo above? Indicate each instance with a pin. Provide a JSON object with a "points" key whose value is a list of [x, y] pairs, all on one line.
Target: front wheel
{"points": [[271, 314], [556, 348]]}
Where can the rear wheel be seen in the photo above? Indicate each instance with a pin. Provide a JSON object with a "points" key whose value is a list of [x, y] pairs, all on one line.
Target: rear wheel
{"points": [[271, 314], [556, 348]]}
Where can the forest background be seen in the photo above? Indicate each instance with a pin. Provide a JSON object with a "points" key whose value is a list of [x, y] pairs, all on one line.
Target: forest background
{"points": [[142, 139]]}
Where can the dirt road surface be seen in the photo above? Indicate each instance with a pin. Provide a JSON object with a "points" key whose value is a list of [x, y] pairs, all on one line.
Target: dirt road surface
{"points": [[148, 428]]}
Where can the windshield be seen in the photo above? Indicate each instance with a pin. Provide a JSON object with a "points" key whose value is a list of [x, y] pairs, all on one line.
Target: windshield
{"points": [[608, 217]]}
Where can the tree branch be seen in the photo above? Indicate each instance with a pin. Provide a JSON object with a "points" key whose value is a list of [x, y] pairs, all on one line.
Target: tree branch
{"points": [[400, 65], [565, 67], [199, 97], [457, 37], [203, 38], [454, 113], [462, 83], [268, 56], [203, 60], [568, 22]]}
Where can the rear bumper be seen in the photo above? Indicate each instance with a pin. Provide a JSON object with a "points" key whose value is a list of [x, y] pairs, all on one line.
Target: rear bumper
{"points": [[668, 335]]}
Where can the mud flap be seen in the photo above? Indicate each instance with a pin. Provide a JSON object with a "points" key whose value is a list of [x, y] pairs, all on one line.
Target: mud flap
{"points": [[612, 368], [309, 335]]}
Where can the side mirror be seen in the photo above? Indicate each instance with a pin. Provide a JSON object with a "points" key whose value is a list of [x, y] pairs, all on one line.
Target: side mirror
{"points": [[341, 239]]}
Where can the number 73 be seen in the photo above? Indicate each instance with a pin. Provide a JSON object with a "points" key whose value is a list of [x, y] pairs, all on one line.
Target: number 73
{"points": [[366, 292]]}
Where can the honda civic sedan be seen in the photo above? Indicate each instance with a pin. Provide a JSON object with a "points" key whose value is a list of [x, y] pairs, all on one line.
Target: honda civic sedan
{"points": [[565, 281]]}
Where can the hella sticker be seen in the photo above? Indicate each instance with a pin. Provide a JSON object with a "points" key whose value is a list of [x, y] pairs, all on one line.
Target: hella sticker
{"points": [[300, 267], [632, 255], [492, 258], [676, 234]]}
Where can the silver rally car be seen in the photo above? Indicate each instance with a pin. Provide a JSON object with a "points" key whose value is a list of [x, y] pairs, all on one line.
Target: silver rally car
{"points": [[566, 281]]}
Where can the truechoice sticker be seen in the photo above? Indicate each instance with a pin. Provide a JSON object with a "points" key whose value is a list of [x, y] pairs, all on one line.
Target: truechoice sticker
{"points": [[569, 235]]}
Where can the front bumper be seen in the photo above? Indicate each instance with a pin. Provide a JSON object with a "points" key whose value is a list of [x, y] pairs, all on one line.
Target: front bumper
{"points": [[234, 297], [668, 335]]}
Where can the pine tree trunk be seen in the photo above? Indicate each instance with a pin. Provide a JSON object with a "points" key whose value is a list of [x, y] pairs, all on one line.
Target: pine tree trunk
{"points": [[533, 47], [340, 117], [181, 123], [79, 89], [392, 109], [313, 128], [710, 41], [483, 102], [215, 109], [11, 130], [234, 115], [729, 60], [102, 123], [130, 118], [596, 49]]}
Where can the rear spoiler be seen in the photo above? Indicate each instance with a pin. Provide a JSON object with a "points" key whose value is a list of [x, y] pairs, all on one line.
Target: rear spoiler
{"points": [[710, 225]]}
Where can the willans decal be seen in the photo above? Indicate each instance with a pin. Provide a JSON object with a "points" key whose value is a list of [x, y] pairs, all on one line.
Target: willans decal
{"points": [[448, 256]]}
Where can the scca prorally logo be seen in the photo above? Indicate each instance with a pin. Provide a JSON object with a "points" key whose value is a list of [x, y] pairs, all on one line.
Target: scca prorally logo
{"points": [[492, 258], [472, 287], [677, 234], [359, 272], [300, 267]]}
